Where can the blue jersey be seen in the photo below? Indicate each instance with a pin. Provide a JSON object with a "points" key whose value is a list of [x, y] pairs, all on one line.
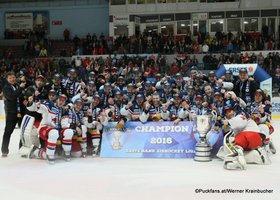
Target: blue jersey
{"points": [[72, 87]]}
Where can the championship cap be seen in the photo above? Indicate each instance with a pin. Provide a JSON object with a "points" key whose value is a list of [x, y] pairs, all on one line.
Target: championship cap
{"points": [[78, 100], [228, 72], [157, 75], [114, 69], [91, 83], [120, 77], [178, 74], [107, 85], [118, 93], [52, 91], [40, 77], [101, 76], [243, 70], [211, 73], [218, 94], [140, 96], [96, 96], [56, 76], [130, 85], [72, 71], [63, 97], [261, 92], [198, 97]]}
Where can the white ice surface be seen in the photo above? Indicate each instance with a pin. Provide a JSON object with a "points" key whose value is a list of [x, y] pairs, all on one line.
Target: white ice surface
{"points": [[131, 179]]}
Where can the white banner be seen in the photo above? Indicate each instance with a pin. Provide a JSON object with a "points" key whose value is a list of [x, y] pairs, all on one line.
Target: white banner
{"points": [[267, 85], [19, 21], [121, 19], [276, 108], [234, 68], [199, 16]]}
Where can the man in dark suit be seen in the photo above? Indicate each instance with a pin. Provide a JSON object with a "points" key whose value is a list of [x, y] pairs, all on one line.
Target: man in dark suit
{"points": [[12, 93]]}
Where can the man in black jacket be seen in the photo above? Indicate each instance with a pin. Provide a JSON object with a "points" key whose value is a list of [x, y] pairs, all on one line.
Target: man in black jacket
{"points": [[245, 87], [12, 94]]}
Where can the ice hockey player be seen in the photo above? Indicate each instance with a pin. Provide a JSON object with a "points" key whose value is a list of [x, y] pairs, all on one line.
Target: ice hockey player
{"points": [[50, 129], [261, 114], [73, 119], [94, 121], [246, 145]]}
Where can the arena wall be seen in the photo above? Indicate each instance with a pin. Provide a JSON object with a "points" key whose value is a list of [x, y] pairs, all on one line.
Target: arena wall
{"points": [[80, 19]]}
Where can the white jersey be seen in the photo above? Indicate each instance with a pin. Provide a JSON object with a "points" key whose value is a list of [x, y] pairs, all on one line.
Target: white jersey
{"points": [[51, 114], [241, 123]]}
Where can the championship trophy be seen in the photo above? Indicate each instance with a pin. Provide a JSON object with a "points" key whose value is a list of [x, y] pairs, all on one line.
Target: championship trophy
{"points": [[203, 125], [117, 135]]}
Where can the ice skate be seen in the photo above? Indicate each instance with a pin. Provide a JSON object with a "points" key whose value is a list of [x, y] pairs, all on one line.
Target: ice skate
{"points": [[272, 147], [84, 154], [31, 154], [67, 158], [50, 160], [95, 152], [4, 155], [235, 162]]}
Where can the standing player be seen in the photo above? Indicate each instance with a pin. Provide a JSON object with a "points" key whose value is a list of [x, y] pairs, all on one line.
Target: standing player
{"points": [[71, 84], [56, 85]]}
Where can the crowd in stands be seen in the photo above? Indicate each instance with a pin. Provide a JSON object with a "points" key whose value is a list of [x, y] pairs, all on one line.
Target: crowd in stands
{"points": [[153, 42], [125, 65], [149, 42], [220, 49], [37, 43]]}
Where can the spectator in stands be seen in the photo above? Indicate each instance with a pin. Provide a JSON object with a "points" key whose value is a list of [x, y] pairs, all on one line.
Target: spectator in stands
{"points": [[63, 52], [6, 34], [205, 48], [276, 78], [207, 59], [76, 41], [66, 34], [229, 47], [43, 52], [195, 48], [37, 49]]}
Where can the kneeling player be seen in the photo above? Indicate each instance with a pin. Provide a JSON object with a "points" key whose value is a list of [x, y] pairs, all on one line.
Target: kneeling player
{"points": [[247, 144], [73, 121], [50, 128]]}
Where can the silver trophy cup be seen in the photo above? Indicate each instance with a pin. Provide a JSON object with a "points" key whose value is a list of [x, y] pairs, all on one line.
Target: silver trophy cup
{"points": [[117, 135], [203, 125]]}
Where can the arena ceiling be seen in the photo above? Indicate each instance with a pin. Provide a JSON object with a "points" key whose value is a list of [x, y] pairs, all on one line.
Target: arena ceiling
{"points": [[30, 1], [24, 1]]}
